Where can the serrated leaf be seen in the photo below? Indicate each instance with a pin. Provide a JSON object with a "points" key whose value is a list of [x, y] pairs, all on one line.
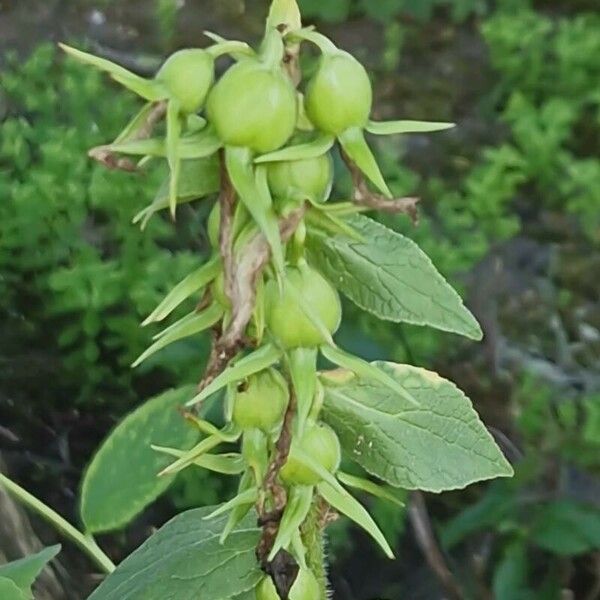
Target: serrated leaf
{"points": [[440, 445], [356, 147], [24, 571], [198, 178], [391, 277], [184, 559], [395, 127], [122, 478], [10, 591], [313, 149]]}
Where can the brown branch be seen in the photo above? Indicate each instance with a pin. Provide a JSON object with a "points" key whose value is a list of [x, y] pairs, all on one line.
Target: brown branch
{"points": [[105, 156], [425, 537], [363, 196]]}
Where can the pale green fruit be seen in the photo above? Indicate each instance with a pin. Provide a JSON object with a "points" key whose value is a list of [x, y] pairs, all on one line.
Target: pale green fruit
{"points": [[306, 587], [308, 178]]}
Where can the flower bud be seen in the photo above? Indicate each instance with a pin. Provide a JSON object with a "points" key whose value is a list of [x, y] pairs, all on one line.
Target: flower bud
{"points": [[260, 401], [188, 75], [253, 106], [306, 587], [309, 178], [322, 444], [286, 319], [339, 95]]}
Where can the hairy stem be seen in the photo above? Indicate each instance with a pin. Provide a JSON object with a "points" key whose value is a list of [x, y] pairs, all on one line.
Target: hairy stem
{"points": [[313, 536]]}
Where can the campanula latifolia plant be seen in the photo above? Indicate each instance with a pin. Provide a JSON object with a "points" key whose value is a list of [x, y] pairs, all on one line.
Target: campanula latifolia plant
{"points": [[283, 251]]}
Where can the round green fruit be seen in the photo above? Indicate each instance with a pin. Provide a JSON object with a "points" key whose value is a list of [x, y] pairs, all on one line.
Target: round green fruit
{"points": [[323, 445], [253, 106], [309, 178], [339, 95], [188, 76], [260, 401], [285, 317], [306, 587]]}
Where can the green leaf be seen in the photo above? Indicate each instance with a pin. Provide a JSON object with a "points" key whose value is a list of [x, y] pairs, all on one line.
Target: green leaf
{"points": [[187, 327], [146, 88], [439, 445], [184, 559], [567, 528], [392, 278], [198, 178], [122, 478], [253, 191], [313, 149], [394, 127], [252, 363], [24, 572], [193, 283], [9, 590], [355, 146]]}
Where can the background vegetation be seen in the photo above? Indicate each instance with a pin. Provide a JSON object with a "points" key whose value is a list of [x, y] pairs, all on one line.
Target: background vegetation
{"points": [[510, 214]]}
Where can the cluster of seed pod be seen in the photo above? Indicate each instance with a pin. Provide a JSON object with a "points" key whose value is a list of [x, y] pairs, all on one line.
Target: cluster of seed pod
{"points": [[274, 143]]}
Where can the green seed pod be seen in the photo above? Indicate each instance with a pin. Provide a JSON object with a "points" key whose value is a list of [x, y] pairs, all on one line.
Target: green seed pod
{"points": [[286, 319], [188, 76], [322, 444], [310, 178], [306, 587], [260, 401], [339, 95], [254, 106]]}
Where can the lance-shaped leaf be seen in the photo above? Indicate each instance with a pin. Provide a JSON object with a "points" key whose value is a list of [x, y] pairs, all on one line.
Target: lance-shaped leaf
{"points": [[185, 560], [226, 464], [302, 364], [192, 284], [366, 370], [24, 571], [355, 146], [121, 479], [313, 149], [146, 88], [341, 500], [250, 364], [391, 277], [365, 485], [173, 158], [436, 446], [298, 504], [242, 499], [394, 127], [198, 178], [253, 191], [10, 591], [239, 512], [187, 327]]}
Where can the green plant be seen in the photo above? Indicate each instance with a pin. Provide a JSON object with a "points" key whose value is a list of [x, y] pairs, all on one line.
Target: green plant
{"points": [[269, 291]]}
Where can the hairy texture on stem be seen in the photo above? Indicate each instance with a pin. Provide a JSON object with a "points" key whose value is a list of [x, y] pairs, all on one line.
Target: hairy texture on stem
{"points": [[244, 280], [363, 196], [110, 160]]}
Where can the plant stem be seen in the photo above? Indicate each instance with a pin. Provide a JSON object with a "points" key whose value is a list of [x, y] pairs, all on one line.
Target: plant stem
{"points": [[85, 542], [314, 542]]}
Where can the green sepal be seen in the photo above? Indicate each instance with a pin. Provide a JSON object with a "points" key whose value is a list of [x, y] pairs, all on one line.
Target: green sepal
{"points": [[24, 571], [259, 313], [226, 435], [365, 369], [313, 149], [252, 363], [307, 34], [173, 136], [284, 12], [193, 283], [346, 504], [146, 88], [256, 452], [329, 223], [355, 146], [302, 364], [187, 327], [198, 178], [138, 122], [396, 127], [366, 485], [298, 550], [297, 507], [248, 497], [238, 512], [225, 464], [241, 50], [253, 191]]}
